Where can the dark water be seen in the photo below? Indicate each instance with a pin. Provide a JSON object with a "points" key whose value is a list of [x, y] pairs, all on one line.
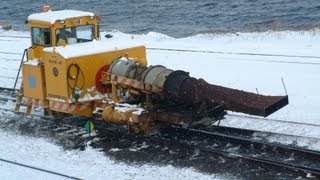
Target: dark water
{"points": [[179, 18]]}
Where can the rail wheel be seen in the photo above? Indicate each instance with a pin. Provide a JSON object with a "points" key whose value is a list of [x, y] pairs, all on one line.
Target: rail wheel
{"points": [[58, 115]]}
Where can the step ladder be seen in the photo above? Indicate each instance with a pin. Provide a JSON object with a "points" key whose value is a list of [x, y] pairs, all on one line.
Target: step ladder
{"points": [[21, 100], [28, 102]]}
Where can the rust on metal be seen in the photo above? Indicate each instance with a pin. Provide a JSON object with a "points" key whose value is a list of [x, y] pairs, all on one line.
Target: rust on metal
{"points": [[182, 88], [241, 101]]}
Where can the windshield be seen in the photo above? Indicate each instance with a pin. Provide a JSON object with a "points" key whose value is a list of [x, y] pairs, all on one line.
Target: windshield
{"points": [[40, 36], [74, 35]]}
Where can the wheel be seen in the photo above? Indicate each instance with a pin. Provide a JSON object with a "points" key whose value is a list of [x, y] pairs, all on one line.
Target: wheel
{"points": [[58, 115]]}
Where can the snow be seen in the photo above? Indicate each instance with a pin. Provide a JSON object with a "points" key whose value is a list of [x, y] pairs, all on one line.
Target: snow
{"points": [[91, 94], [52, 16], [124, 107], [88, 164], [94, 47], [33, 62], [246, 61]]}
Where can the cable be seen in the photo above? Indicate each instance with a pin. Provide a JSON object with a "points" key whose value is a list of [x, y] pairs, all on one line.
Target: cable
{"points": [[39, 169], [75, 79]]}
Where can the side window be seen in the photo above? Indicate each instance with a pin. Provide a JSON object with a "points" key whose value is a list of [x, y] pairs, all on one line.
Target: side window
{"points": [[85, 33], [74, 35], [40, 36]]}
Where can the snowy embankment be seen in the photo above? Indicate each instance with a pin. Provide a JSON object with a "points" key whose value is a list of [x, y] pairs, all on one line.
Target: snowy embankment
{"points": [[248, 61]]}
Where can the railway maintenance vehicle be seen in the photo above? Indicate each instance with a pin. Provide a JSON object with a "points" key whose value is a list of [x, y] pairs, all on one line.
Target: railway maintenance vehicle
{"points": [[69, 70]]}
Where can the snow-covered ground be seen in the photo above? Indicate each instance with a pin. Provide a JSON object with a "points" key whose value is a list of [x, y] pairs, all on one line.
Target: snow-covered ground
{"points": [[247, 61], [88, 164]]}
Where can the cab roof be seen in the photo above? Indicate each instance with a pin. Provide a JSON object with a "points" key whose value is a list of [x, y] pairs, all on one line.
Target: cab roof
{"points": [[52, 16]]}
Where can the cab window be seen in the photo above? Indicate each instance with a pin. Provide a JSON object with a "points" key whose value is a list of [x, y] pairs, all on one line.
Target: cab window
{"points": [[40, 36], [74, 35]]}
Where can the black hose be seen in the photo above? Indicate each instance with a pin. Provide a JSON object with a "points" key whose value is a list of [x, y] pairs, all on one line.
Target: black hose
{"points": [[74, 78]]}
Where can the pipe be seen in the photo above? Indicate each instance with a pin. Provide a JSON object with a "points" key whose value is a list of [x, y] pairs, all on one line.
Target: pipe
{"points": [[178, 87]]}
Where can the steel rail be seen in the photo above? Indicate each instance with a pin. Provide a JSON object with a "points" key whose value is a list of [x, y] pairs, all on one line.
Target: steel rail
{"points": [[252, 133], [213, 52], [248, 54], [27, 37], [8, 59], [9, 40], [13, 53], [44, 119], [38, 169], [230, 133], [6, 89], [305, 160], [238, 135], [273, 120], [7, 77], [184, 134], [238, 53], [182, 141], [223, 129], [218, 130], [315, 172], [10, 69]]}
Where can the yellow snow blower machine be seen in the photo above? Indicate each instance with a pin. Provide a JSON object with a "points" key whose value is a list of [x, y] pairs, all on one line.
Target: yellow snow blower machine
{"points": [[70, 71]]}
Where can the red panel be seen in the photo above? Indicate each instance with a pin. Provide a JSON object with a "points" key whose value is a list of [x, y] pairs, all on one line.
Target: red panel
{"points": [[100, 87]]}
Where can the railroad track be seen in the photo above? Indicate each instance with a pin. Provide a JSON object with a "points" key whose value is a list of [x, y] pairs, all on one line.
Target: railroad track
{"points": [[262, 136], [274, 154], [225, 141], [295, 161], [238, 143], [6, 94], [69, 134]]}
